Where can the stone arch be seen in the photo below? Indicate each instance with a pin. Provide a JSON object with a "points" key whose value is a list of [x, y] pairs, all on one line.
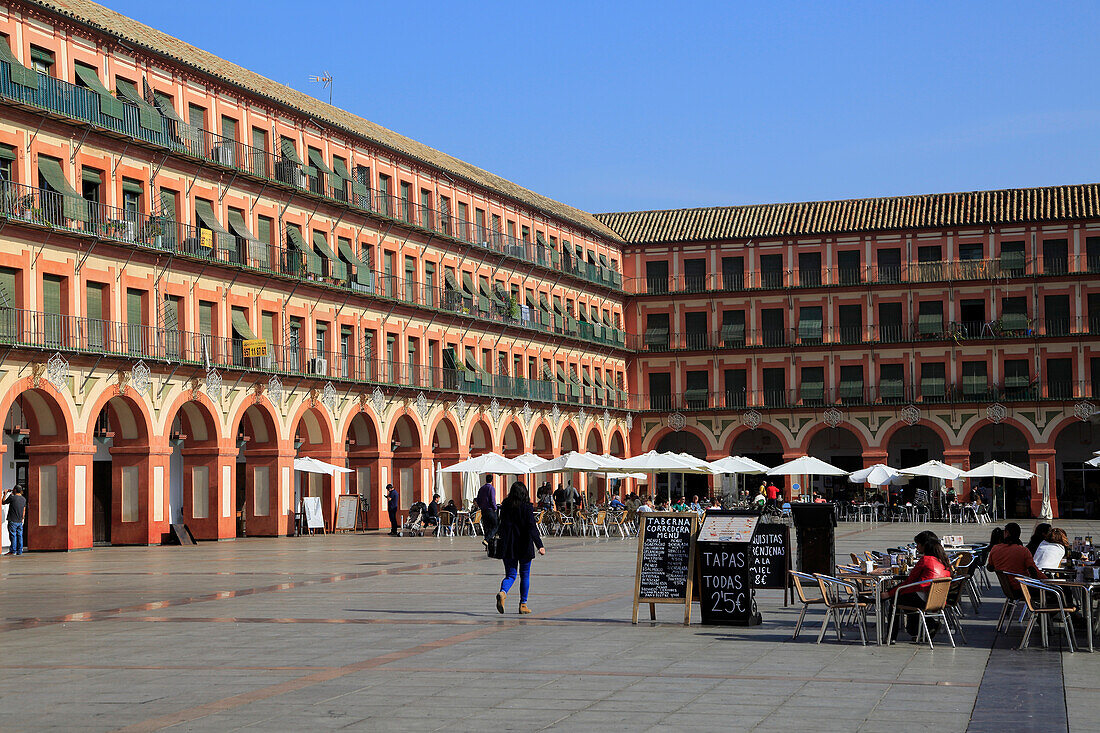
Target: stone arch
{"points": [[594, 442], [666, 431], [862, 438], [258, 421], [568, 439], [763, 440], [447, 450], [890, 429], [542, 441], [843, 448], [312, 425], [260, 474], [1076, 485], [1002, 442], [42, 452], [364, 457], [410, 461], [360, 430], [128, 416], [617, 444], [511, 440], [684, 484], [480, 437], [198, 450]]}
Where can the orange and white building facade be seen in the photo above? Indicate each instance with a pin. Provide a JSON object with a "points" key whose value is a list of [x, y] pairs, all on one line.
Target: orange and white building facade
{"points": [[205, 275], [957, 327]]}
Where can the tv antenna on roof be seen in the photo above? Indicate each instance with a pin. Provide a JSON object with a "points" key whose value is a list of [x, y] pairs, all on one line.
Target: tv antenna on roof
{"points": [[326, 79]]}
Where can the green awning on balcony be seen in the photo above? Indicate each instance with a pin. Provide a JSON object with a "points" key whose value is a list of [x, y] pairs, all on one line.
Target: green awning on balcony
{"points": [[891, 388], [468, 283], [340, 168], [17, 73], [241, 327], [238, 225], [313, 260], [930, 323], [148, 115], [809, 326], [289, 152], [975, 384], [336, 267], [1014, 321], [108, 103], [205, 212], [851, 389], [932, 387], [166, 107], [362, 272], [73, 205], [129, 186], [733, 332], [449, 280], [317, 160], [812, 390]]}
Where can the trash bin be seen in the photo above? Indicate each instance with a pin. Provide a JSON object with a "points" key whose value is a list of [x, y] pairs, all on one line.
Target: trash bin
{"points": [[814, 526]]}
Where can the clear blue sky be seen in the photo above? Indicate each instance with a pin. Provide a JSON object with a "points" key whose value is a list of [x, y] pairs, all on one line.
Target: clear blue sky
{"points": [[646, 105]]}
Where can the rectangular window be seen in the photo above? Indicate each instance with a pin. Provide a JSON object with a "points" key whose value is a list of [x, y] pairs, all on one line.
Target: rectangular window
{"points": [[42, 60], [889, 265], [1017, 382], [851, 323], [811, 387], [1060, 379], [54, 311], [733, 273], [733, 328], [848, 267], [1092, 254], [775, 386], [933, 386], [771, 271], [809, 325], [889, 322], [1014, 316], [971, 251], [696, 390], [809, 269], [891, 382], [385, 204], [656, 332], [975, 380], [773, 330], [695, 330], [695, 275], [406, 201], [1055, 256], [851, 383], [425, 218], [656, 274], [1012, 258], [1056, 315], [930, 319], [137, 339], [660, 390], [736, 387]]}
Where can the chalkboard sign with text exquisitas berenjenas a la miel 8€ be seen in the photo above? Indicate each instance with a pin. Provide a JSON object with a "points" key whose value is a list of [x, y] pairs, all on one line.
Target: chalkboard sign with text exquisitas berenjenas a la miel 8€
{"points": [[666, 561]]}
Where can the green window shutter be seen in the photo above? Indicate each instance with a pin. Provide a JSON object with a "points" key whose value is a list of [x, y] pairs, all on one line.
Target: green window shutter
{"points": [[167, 203], [1014, 321], [7, 288], [17, 73], [932, 387], [975, 384], [170, 313], [93, 296], [109, 105], [134, 315], [51, 294], [267, 327], [206, 319], [809, 324], [1012, 256]]}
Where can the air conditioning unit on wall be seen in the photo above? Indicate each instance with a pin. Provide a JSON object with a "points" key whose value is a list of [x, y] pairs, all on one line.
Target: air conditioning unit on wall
{"points": [[318, 365]]}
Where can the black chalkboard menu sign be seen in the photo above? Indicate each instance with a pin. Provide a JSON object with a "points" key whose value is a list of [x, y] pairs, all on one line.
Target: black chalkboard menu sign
{"points": [[665, 561], [725, 565], [771, 553]]}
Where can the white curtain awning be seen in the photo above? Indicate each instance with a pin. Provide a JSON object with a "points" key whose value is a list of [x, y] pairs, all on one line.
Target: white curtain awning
{"points": [[313, 465]]}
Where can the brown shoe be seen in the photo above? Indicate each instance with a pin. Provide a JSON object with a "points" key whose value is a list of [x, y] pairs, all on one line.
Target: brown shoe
{"points": [[500, 601], [523, 608]]}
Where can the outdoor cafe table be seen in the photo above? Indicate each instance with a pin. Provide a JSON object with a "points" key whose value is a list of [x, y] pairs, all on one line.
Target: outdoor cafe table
{"points": [[1086, 588], [879, 579]]}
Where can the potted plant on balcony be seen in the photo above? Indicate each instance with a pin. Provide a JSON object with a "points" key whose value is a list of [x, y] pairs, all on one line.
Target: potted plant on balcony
{"points": [[152, 232], [513, 308]]}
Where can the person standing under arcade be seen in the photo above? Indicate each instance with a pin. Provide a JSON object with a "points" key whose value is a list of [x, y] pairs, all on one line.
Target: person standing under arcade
{"points": [[391, 507], [487, 503]]}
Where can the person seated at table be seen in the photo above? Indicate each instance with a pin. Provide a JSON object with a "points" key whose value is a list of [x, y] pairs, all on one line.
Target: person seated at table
{"points": [[996, 537], [1040, 533], [1011, 556], [546, 502], [933, 564], [680, 505], [431, 515], [818, 499], [615, 503], [715, 504], [645, 506], [760, 500], [695, 506], [450, 507], [1053, 550]]}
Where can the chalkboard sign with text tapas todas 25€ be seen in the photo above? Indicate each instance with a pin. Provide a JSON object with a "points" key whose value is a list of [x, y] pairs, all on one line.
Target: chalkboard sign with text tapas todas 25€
{"points": [[666, 561], [725, 568]]}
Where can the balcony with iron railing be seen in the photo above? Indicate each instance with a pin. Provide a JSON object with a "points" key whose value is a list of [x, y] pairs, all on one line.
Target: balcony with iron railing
{"points": [[66, 213], [29, 329], [814, 396], [1013, 327], [80, 104], [946, 271]]}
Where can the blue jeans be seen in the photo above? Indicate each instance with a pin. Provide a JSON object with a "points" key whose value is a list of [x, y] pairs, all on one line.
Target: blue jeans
{"points": [[15, 533], [510, 567]]}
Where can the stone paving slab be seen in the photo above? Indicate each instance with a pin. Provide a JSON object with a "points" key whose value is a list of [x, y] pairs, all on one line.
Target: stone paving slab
{"points": [[368, 632]]}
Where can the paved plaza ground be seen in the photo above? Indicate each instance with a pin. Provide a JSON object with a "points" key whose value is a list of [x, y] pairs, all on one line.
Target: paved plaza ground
{"points": [[372, 632]]}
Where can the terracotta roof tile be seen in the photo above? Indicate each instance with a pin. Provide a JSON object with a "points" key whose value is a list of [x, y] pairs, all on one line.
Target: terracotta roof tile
{"points": [[119, 26], [974, 208]]}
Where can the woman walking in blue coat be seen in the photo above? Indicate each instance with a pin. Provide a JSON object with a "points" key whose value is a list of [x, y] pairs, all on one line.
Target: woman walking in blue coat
{"points": [[518, 536]]}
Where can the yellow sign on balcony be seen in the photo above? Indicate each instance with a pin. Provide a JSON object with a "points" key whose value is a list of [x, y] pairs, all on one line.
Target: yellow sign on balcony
{"points": [[206, 238], [254, 348]]}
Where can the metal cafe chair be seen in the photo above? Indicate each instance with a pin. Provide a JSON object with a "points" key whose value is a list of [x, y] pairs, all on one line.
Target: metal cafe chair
{"points": [[797, 579], [938, 590], [1013, 599], [841, 600], [1035, 594]]}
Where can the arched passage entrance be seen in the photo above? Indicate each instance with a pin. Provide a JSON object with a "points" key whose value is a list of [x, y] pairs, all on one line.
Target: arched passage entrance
{"points": [[313, 438], [1002, 442], [262, 464], [542, 444], [195, 495], [840, 447], [763, 446], [410, 467], [1077, 486], [912, 445], [129, 475], [363, 456], [683, 484], [595, 485], [512, 442], [39, 454], [445, 450]]}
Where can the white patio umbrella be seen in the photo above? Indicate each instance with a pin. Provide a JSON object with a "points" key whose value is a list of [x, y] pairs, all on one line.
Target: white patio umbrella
{"points": [[807, 466], [654, 462], [737, 465], [439, 479], [1095, 462], [998, 470], [313, 465], [571, 461], [878, 475], [487, 463], [934, 469]]}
